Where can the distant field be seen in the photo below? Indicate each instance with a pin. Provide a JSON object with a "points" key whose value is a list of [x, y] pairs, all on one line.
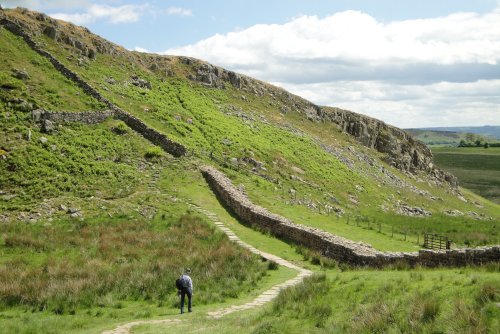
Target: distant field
{"points": [[477, 169]]}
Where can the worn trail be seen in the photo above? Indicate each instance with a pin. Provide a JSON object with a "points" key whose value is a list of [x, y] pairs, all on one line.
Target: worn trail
{"points": [[260, 300]]}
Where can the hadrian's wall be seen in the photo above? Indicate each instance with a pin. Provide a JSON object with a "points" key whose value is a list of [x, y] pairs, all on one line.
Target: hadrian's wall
{"points": [[133, 122], [333, 246], [86, 117]]}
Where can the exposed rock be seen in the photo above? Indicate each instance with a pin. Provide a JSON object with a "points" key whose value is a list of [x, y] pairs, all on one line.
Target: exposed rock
{"points": [[353, 199], [454, 213], [139, 82], [47, 126], [234, 79], [43, 140], [413, 211], [50, 32], [403, 151], [252, 161], [110, 80], [20, 74]]}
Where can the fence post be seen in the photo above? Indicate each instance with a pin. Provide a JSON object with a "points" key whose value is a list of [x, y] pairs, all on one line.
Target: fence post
{"points": [[392, 231]]}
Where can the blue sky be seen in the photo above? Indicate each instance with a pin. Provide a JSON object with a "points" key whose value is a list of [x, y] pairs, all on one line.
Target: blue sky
{"points": [[409, 63]]}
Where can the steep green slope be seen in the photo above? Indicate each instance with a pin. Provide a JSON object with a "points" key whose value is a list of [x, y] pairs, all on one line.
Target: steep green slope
{"points": [[267, 140]]}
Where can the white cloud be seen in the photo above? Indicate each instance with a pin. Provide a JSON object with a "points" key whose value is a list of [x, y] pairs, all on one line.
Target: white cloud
{"points": [[443, 103], [179, 11], [120, 14], [405, 72], [143, 50]]}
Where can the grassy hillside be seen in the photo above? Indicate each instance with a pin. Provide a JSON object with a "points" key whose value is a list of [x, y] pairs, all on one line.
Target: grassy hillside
{"points": [[240, 124], [95, 225], [477, 169]]}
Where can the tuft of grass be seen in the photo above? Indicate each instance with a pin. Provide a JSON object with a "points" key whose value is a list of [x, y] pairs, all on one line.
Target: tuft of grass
{"points": [[154, 152], [120, 128]]}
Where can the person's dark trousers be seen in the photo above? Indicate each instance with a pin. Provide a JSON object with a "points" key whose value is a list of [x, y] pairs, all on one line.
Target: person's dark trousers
{"points": [[183, 296]]}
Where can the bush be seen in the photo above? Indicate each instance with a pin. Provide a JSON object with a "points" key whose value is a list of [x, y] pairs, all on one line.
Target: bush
{"points": [[121, 128], [271, 265], [154, 152]]}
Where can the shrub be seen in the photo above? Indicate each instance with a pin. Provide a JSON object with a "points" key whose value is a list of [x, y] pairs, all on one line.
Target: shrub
{"points": [[154, 152], [121, 128], [271, 265]]}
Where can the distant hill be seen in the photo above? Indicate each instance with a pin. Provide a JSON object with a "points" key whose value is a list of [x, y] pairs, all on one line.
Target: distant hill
{"points": [[453, 135], [487, 130]]}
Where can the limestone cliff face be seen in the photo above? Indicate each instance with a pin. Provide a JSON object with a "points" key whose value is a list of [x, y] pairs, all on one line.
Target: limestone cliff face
{"points": [[401, 149]]}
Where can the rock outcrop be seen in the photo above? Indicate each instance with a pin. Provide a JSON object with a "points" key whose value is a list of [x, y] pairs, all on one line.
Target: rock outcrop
{"points": [[400, 148]]}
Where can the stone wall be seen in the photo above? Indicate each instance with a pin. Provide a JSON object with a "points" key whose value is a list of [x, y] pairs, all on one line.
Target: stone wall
{"points": [[86, 117], [330, 245], [133, 122]]}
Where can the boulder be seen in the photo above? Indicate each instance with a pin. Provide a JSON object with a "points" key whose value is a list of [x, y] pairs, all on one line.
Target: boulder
{"points": [[47, 126], [139, 82], [20, 74], [50, 32]]}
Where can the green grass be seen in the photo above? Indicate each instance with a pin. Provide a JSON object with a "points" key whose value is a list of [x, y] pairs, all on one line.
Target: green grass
{"points": [[477, 169], [416, 301], [46, 87], [206, 120]]}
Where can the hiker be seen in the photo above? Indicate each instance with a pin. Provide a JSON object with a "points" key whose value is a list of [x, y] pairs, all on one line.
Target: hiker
{"points": [[185, 287]]}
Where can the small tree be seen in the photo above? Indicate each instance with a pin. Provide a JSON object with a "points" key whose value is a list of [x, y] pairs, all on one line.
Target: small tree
{"points": [[462, 143], [486, 145]]}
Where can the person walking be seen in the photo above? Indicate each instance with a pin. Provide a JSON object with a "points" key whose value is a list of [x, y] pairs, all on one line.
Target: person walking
{"points": [[186, 289]]}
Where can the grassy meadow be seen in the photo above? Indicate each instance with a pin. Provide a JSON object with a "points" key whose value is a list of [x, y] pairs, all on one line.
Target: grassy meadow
{"points": [[354, 301], [477, 169]]}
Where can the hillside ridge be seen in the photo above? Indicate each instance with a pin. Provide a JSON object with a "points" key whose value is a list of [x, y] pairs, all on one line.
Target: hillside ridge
{"points": [[400, 149]]}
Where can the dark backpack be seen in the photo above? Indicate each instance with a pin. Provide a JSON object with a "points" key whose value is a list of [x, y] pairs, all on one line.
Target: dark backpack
{"points": [[178, 284], [181, 284]]}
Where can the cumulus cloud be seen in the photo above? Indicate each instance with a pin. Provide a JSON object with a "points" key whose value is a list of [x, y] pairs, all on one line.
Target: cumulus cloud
{"points": [[354, 45], [179, 11], [405, 72], [407, 106], [119, 14]]}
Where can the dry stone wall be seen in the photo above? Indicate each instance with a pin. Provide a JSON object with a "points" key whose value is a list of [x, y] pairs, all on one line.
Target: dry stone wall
{"points": [[87, 117], [330, 245], [133, 122]]}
